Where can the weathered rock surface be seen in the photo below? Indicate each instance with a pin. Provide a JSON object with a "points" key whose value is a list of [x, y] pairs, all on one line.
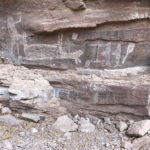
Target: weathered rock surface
{"points": [[23, 90], [97, 92], [79, 40], [139, 128], [107, 40]]}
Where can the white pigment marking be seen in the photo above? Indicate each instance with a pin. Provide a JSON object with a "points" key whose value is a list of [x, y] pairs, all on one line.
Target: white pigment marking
{"points": [[107, 52], [130, 49]]}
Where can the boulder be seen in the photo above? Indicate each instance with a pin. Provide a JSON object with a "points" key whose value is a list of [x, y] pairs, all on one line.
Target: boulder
{"points": [[142, 143], [32, 117], [9, 120], [139, 129], [6, 110], [86, 126], [126, 145], [65, 124]]}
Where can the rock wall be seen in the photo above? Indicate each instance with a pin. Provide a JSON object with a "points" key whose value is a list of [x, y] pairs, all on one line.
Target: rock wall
{"points": [[87, 36]]}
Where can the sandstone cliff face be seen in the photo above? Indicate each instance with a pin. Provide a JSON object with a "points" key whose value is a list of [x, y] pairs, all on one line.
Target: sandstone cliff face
{"points": [[85, 36]]}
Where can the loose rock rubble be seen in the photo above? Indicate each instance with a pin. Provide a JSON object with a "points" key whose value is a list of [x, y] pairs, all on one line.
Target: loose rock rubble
{"points": [[66, 133], [30, 131]]}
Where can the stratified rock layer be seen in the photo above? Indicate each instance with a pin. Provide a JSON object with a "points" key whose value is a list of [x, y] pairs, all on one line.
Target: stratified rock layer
{"points": [[100, 92], [23, 84], [79, 40], [53, 35], [24, 90]]}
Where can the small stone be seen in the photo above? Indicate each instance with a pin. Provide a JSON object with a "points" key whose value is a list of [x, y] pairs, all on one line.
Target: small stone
{"points": [[107, 120], [32, 117], [9, 120], [126, 145], [139, 129], [121, 126], [6, 110], [22, 134], [64, 124], [107, 145], [108, 128], [94, 120], [67, 135], [34, 130], [86, 126]]}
